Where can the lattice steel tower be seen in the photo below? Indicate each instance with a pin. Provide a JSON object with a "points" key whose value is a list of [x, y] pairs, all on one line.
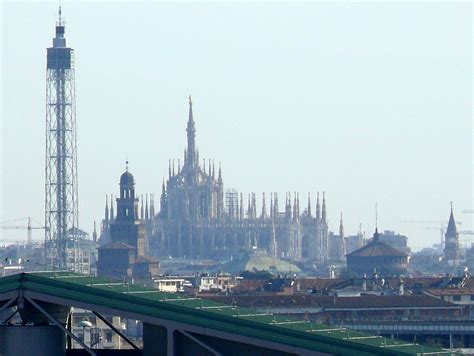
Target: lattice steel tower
{"points": [[61, 206]]}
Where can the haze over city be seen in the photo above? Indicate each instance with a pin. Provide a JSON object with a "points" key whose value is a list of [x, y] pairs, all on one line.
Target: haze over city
{"points": [[370, 103], [236, 178]]}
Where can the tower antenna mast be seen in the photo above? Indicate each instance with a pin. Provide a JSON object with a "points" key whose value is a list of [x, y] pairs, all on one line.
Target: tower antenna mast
{"points": [[376, 218], [61, 198]]}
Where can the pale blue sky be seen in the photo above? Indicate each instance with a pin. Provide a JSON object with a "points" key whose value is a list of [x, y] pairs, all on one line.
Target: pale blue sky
{"points": [[370, 102]]}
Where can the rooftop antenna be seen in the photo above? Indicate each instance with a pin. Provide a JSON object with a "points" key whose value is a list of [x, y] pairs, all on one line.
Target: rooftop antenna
{"points": [[376, 218], [60, 18]]}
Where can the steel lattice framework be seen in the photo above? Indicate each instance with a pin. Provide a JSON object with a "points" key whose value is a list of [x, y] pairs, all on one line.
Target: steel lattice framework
{"points": [[61, 199]]}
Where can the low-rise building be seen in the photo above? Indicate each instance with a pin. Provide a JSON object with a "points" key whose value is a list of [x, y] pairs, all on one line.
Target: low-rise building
{"points": [[170, 284]]}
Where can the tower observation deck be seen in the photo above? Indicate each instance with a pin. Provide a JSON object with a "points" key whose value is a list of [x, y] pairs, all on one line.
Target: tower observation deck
{"points": [[61, 198]]}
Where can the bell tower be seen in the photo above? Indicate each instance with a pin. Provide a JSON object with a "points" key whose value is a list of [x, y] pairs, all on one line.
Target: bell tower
{"points": [[127, 227], [127, 204]]}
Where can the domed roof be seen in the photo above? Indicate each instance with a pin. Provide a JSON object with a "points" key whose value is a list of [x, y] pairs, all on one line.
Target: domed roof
{"points": [[127, 178], [377, 248], [260, 263]]}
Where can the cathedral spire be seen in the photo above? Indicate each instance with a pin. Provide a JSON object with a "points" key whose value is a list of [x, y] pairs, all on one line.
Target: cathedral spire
{"points": [[271, 206], [163, 200], [169, 168], [106, 208], [275, 205], [112, 213], [249, 208], [323, 214], [288, 206], [341, 227], [295, 208], [273, 243], [191, 133], [152, 205], [220, 174], [142, 210], [309, 204], [241, 206], [146, 207], [318, 209], [254, 207], [264, 207], [298, 205]]}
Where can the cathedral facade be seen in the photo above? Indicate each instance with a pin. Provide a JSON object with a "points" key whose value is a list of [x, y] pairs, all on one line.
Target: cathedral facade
{"points": [[199, 219]]}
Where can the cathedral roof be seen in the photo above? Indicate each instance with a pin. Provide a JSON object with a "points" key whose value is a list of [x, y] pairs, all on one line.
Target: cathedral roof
{"points": [[377, 248]]}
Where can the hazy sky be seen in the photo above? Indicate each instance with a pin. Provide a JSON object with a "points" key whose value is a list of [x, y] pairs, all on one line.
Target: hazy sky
{"points": [[369, 102]]}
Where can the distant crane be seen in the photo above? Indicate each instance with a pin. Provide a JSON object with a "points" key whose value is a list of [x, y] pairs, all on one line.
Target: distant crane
{"points": [[441, 229], [427, 222], [28, 227]]}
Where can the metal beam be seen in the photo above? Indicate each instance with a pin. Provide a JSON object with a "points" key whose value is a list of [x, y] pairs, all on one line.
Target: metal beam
{"points": [[110, 325], [9, 317], [199, 342], [69, 327], [7, 304], [59, 325]]}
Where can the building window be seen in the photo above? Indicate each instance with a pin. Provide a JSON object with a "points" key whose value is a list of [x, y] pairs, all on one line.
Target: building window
{"points": [[108, 336], [472, 296], [457, 298]]}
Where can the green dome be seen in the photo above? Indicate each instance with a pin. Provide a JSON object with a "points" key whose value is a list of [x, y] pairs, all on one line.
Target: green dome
{"points": [[260, 263]]}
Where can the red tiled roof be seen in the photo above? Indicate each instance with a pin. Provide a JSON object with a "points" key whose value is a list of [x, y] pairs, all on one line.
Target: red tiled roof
{"points": [[451, 291], [317, 283], [249, 285]]}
